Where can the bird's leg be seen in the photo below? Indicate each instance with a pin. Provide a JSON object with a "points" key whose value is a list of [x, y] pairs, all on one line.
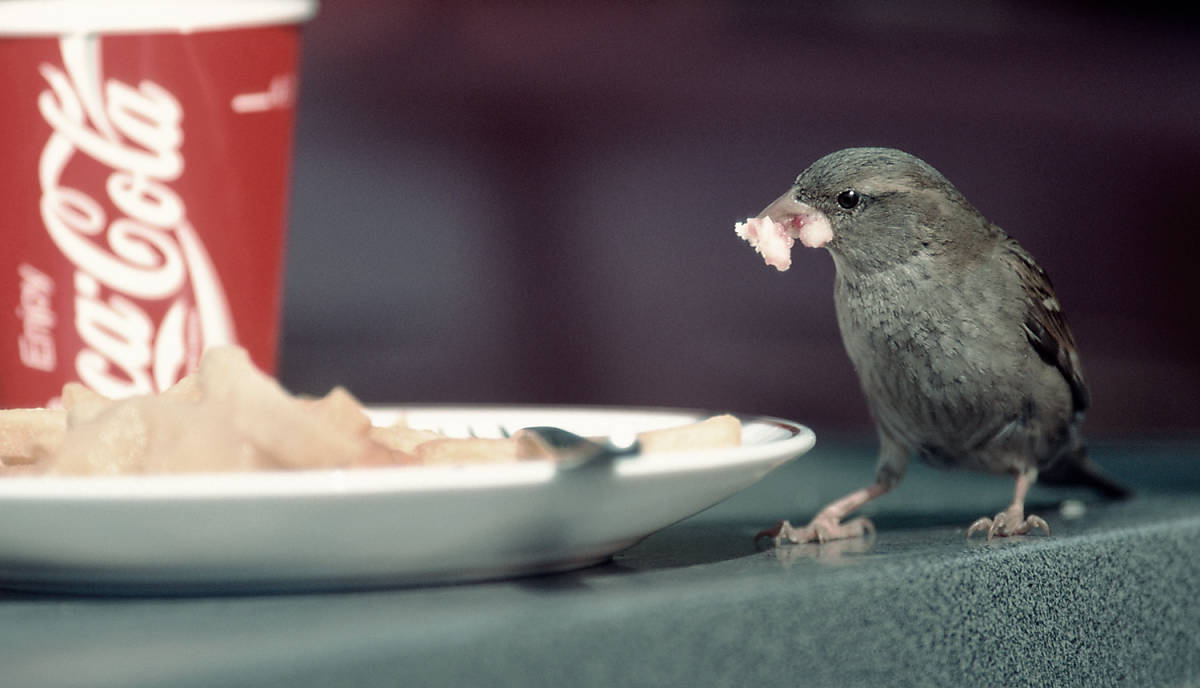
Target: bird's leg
{"points": [[827, 524], [1012, 521]]}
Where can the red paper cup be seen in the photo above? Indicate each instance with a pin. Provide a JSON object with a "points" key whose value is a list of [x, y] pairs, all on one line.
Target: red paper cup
{"points": [[144, 162]]}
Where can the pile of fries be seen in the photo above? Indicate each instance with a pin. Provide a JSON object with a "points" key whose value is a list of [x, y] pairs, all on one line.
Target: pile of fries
{"points": [[230, 416]]}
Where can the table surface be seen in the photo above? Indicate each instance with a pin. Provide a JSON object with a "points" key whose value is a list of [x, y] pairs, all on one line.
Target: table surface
{"points": [[1109, 599]]}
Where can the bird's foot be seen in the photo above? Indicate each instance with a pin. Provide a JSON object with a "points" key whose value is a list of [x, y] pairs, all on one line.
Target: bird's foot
{"points": [[1011, 521], [820, 529]]}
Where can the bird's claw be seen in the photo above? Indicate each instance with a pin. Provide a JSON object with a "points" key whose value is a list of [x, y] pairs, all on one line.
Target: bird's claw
{"points": [[820, 530], [1007, 523]]}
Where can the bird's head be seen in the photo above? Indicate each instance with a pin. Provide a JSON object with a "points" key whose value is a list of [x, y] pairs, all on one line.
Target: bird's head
{"points": [[874, 208]]}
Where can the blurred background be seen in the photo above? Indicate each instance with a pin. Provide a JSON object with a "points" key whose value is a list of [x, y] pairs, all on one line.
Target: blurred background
{"points": [[534, 202]]}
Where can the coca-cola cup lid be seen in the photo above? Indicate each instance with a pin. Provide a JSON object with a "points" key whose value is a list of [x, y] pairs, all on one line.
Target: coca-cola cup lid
{"points": [[58, 17]]}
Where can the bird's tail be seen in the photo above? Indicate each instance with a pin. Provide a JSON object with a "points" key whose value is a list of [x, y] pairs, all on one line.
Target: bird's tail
{"points": [[1078, 469]]}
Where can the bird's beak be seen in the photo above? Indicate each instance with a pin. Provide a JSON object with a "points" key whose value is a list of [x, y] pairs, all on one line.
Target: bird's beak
{"points": [[804, 222]]}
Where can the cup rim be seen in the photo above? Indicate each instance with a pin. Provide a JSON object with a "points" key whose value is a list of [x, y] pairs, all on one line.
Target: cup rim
{"points": [[63, 17]]}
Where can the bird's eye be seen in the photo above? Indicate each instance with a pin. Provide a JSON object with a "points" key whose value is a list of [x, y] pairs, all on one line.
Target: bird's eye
{"points": [[848, 199]]}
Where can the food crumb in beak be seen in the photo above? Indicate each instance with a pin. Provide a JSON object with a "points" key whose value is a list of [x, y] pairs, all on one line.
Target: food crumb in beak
{"points": [[770, 239], [815, 230]]}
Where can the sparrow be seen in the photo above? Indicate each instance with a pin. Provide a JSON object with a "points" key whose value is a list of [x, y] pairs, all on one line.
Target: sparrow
{"points": [[959, 342]]}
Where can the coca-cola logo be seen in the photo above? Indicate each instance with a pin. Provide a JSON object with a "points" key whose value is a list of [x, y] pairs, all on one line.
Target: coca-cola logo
{"points": [[147, 251]]}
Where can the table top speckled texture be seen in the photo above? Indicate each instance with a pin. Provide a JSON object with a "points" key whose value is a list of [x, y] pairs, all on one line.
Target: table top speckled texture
{"points": [[1109, 599]]}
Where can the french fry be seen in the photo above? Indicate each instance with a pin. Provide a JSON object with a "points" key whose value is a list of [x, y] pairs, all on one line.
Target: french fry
{"points": [[114, 441], [82, 403], [401, 437], [340, 409], [186, 388], [718, 431], [274, 422], [27, 435], [380, 457], [454, 450]]}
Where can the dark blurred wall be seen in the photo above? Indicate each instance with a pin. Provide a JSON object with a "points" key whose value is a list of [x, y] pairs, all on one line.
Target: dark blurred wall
{"points": [[534, 202]]}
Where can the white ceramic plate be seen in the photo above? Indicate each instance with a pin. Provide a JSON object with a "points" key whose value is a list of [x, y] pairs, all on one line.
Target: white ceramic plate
{"points": [[367, 527]]}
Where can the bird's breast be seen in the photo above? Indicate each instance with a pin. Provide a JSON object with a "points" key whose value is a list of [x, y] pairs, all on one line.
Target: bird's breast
{"points": [[929, 358]]}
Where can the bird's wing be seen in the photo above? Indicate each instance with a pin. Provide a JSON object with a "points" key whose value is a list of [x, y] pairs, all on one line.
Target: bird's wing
{"points": [[1045, 325]]}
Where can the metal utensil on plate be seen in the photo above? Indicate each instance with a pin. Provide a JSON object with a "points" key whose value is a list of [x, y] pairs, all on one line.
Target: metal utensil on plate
{"points": [[573, 452]]}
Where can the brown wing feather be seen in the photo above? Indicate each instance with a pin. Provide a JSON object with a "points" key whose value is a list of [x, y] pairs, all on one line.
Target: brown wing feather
{"points": [[1045, 325]]}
